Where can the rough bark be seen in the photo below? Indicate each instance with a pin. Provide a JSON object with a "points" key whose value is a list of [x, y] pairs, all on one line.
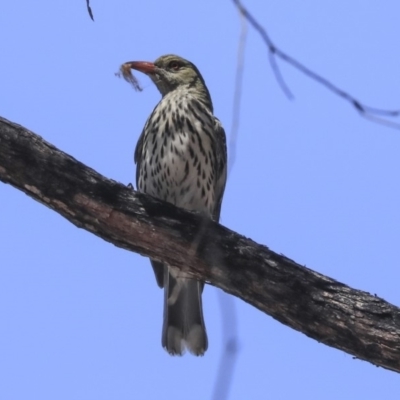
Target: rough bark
{"points": [[328, 311]]}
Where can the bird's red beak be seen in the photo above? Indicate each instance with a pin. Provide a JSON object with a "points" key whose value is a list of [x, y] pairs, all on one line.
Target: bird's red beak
{"points": [[142, 66]]}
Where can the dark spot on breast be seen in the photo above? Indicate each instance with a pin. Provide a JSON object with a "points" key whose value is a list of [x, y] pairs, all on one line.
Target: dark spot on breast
{"points": [[191, 152], [190, 126]]}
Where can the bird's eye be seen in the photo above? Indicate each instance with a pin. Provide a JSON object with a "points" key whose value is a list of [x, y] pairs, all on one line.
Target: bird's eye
{"points": [[174, 65]]}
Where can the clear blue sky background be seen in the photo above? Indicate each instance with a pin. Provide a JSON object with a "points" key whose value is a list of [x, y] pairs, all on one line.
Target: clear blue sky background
{"points": [[80, 318]]}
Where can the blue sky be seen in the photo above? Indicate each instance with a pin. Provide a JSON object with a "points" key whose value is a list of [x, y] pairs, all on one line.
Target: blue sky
{"points": [[80, 318]]}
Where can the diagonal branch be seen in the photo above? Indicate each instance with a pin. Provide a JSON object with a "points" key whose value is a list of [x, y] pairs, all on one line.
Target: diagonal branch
{"points": [[373, 114], [351, 320]]}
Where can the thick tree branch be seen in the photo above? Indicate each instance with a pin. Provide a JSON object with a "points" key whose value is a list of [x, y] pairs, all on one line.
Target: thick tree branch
{"points": [[328, 311]]}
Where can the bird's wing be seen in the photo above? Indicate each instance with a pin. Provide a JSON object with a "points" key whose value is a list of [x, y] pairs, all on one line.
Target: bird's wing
{"points": [[158, 267], [138, 156], [221, 167]]}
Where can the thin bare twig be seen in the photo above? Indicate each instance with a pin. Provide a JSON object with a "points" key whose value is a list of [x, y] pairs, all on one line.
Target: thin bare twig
{"points": [[365, 110], [230, 353], [89, 9], [229, 323], [238, 94], [279, 77]]}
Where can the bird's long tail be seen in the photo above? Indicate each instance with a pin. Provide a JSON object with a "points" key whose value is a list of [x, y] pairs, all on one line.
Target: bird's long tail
{"points": [[183, 325]]}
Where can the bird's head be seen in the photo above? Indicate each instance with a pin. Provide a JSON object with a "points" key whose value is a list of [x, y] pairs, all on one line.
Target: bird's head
{"points": [[171, 72]]}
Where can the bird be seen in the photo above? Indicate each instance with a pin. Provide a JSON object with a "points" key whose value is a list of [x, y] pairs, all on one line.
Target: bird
{"points": [[181, 158]]}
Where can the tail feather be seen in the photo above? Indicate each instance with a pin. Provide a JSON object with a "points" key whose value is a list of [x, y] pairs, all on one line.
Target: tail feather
{"points": [[183, 325]]}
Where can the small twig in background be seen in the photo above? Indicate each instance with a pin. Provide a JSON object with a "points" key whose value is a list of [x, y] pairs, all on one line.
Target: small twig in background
{"points": [[229, 323], [89, 9], [228, 359], [238, 94], [365, 111], [278, 76]]}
